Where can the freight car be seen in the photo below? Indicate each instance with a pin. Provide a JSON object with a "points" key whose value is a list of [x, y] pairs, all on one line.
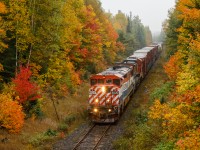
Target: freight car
{"points": [[110, 90]]}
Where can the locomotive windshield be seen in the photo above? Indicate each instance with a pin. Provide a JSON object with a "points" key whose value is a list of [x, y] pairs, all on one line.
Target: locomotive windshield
{"points": [[108, 81], [93, 81], [100, 81], [116, 82]]}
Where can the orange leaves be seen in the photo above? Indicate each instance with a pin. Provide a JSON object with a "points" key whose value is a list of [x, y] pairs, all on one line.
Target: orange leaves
{"points": [[11, 115], [120, 46], [189, 96], [74, 76], [2, 8], [188, 10], [84, 52], [172, 67], [190, 140]]}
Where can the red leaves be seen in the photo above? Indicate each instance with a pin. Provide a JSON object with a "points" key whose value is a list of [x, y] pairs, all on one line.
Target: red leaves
{"points": [[25, 89]]}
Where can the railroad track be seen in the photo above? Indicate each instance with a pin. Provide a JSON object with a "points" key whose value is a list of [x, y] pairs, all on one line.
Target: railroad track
{"points": [[92, 138]]}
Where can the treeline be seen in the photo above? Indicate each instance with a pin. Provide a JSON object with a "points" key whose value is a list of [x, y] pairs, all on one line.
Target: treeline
{"points": [[132, 33], [52, 46], [173, 120], [181, 114]]}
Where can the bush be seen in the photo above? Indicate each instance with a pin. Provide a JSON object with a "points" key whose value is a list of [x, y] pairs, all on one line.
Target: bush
{"points": [[141, 117], [33, 108], [146, 137], [63, 127], [42, 137], [122, 144], [139, 133], [162, 92], [70, 119], [11, 114], [164, 146], [50, 132]]}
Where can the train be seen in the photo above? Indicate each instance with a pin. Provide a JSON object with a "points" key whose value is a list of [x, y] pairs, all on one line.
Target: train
{"points": [[111, 89]]}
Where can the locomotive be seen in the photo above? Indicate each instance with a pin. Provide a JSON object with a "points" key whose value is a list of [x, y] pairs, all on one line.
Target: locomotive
{"points": [[110, 90]]}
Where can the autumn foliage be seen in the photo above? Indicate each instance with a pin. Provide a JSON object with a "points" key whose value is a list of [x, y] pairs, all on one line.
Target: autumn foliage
{"points": [[25, 89], [11, 114], [190, 140], [172, 67], [179, 117]]}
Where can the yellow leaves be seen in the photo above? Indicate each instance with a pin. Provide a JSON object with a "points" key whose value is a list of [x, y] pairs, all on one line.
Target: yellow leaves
{"points": [[117, 26], [2, 31], [107, 44], [174, 120], [35, 69], [195, 44], [186, 80], [156, 110]]}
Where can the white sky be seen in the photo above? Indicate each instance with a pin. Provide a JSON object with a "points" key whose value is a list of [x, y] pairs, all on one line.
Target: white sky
{"points": [[151, 12]]}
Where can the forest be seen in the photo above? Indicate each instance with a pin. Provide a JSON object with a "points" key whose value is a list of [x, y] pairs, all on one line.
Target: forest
{"points": [[50, 48]]}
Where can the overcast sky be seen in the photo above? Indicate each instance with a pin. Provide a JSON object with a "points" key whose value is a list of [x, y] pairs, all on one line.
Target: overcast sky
{"points": [[151, 12]]}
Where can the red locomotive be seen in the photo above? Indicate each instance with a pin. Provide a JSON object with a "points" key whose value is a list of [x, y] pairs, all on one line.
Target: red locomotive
{"points": [[111, 89]]}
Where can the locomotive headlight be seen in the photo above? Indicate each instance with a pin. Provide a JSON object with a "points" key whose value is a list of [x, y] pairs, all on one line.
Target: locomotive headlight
{"points": [[103, 89], [95, 110], [109, 110], [96, 100]]}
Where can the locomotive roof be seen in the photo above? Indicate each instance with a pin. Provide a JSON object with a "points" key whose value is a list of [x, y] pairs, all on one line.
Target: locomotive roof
{"points": [[132, 57], [118, 70], [137, 55], [131, 61], [155, 44], [148, 48], [141, 53]]}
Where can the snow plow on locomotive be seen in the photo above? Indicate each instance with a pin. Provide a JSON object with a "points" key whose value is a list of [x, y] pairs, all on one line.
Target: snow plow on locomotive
{"points": [[110, 90]]}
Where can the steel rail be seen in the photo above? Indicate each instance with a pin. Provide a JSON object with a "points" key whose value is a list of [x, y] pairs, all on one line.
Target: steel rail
{"points": [[103, 135], [84, 137]]}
